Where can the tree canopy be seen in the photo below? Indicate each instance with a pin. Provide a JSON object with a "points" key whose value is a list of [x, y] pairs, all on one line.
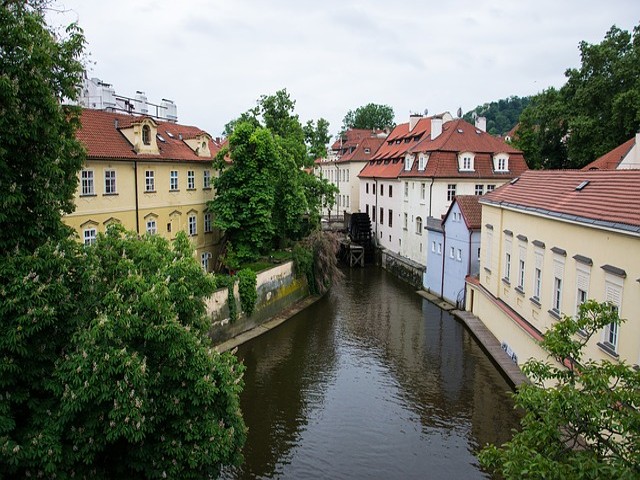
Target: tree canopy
{"points": [[587, 424], [501, 115], [39, 154], [106, 367], [264, 197], [369, 117], [596, 110]]}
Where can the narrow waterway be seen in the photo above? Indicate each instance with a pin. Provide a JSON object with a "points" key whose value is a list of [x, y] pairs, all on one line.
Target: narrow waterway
{"points": [[370, 382]]}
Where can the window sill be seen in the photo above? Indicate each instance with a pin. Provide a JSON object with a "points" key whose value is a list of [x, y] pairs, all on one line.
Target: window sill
{"points": [[109, 194], [506, 281], [174, 190], [191, 189], [88, 195], [150, 191], [608, 349], [206, 188], [555, 314], [488, 270], [519, 290], [535, 301]]}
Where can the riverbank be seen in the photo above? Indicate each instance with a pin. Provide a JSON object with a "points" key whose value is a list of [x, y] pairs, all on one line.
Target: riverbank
{"points": [[274, 322], [488, 342]]}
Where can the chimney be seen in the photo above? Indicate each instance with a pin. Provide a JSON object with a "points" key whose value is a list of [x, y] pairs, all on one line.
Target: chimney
{"points": [[481, 123], [414, 118], [436, 127]]}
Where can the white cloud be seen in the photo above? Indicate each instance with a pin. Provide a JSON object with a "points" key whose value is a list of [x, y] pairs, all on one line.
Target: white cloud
{"points": [[215, 58]]}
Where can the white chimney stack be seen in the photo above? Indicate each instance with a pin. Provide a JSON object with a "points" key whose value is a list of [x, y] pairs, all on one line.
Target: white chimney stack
{"points": [[481, 123], [414, 118], [436, 127]]}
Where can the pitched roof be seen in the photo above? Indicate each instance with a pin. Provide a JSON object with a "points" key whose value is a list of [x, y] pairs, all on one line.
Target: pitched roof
{"points": [[100, 133], [611, 160], [470, 208], [359, 154], [352, 137], [609, 200]]}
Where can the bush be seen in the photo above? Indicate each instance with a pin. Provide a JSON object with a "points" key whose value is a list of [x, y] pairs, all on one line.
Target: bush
{"points": [[315, 257], [247, 281]]}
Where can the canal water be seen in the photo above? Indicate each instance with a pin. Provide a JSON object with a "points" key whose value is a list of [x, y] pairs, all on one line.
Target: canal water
{"points": [[370, 382]]}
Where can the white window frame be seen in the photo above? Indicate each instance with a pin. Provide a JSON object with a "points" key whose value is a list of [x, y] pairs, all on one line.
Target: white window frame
{"points": [[451, 191], [406, 221], [204, 260], [422, 162], [173, 180], [479, 189], [152, 226], [459, 254], [466, 162], [419, 225], [583, 276], [87, 182], [149, 181], [206, 179], [191, 180], [501, 163], [489, 248], [558, 281], [423, 190], [406, 189], [89, 235], [507, 259], [613, 293], [193, 224], [110, 182]]}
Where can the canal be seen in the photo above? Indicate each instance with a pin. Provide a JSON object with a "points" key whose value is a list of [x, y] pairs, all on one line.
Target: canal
{"points": [[371, 382]]}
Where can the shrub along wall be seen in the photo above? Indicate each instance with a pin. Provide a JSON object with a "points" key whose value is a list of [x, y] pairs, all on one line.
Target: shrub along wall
{"points": [[277, 289]]}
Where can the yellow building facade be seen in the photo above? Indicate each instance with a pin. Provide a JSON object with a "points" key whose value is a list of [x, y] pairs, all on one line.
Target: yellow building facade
{"points": [[550, 241], [152, 177]]}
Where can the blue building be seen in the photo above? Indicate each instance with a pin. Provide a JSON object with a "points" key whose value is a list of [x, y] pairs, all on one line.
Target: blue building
{"points": [[454, 249]]}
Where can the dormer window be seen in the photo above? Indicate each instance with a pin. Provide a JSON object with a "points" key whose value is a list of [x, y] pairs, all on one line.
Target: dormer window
{"points": [[501, 162], [466, 162], [146, 134], [367, 151], [408, 162], [422, 162]]}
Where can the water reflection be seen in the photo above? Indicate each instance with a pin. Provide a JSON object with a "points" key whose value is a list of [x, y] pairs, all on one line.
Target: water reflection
{"points": [[372, 381]]}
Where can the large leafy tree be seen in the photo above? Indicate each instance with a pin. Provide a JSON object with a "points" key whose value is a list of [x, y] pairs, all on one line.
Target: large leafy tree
{"points": [[586, 425], [595, 111], [372, 116], [39, 154], [502, 115], [264, 197], [317, 137]]}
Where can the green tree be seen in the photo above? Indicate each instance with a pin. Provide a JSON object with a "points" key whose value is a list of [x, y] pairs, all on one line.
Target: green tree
{"points": [[39, 154], [107, 367], [264, 197], [596, 110], [587, 424], [371, 117], [501, 115], [317, 137]]}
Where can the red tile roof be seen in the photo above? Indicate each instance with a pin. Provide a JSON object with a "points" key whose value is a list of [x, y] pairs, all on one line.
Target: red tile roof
{"points": [[352, 137], [470, 208], [611, 160], [610, 199], [103, 140], [372, 144]]}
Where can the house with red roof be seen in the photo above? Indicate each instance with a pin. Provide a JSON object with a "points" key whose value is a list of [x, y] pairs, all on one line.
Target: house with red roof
{"points": [[552, 239], [624, 156], [154, 177], [424, 164], [349, 153], [453, 250]]}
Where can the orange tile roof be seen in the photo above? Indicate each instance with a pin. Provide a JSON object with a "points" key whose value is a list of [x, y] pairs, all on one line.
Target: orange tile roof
{"points": [[611, 160], [103, 140], [352, 137], [609, 200], [359, 154]]}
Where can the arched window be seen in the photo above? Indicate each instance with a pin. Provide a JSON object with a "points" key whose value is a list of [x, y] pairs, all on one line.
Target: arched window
{"points": [[419, 225], [146, 135]]}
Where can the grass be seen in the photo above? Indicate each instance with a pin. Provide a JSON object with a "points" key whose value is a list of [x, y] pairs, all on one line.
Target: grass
{"points": [[267, 261]]}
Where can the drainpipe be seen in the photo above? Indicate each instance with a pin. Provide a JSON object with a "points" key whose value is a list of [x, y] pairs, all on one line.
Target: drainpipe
{"points": [[338, 185], [135, 180], [376, 207], [444, 256], [431, 193]]}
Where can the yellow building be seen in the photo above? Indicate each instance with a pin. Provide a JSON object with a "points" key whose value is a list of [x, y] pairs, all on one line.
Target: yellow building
{"points": [[153, 177], [550, 241]]}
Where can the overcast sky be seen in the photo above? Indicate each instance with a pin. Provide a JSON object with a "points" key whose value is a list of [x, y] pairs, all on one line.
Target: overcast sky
{"points": [[214, 58]]}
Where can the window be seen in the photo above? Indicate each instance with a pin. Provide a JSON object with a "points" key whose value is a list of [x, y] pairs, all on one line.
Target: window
{"points": [[459, 254], [583, 273], [204, 260], [391, 218], [146, 135], [87, 182], [451, 252], [373, 214], [479, 189], [433, 246], [346, 172], [152, 228], [613, 293], [419, 225], [192, 225], [367, 151], [557, 294], [439, 248], [405, 221], [465, 161], [381, 216], [173, 180], [408, 162], [490, 188], [169, 227], [149, 181], [390, 190], [406, 189], [347, 197], [501, 163], [488, 248], [89, 235], [507, 265], [581, 297], [366, 209], [207, 222], [191, 180], [382, 189], [206, 179], [537, 283], [366, 187], [451, 191], [423, 190], [110, 182], [422, 162], [521, 275], [373, 185]]}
